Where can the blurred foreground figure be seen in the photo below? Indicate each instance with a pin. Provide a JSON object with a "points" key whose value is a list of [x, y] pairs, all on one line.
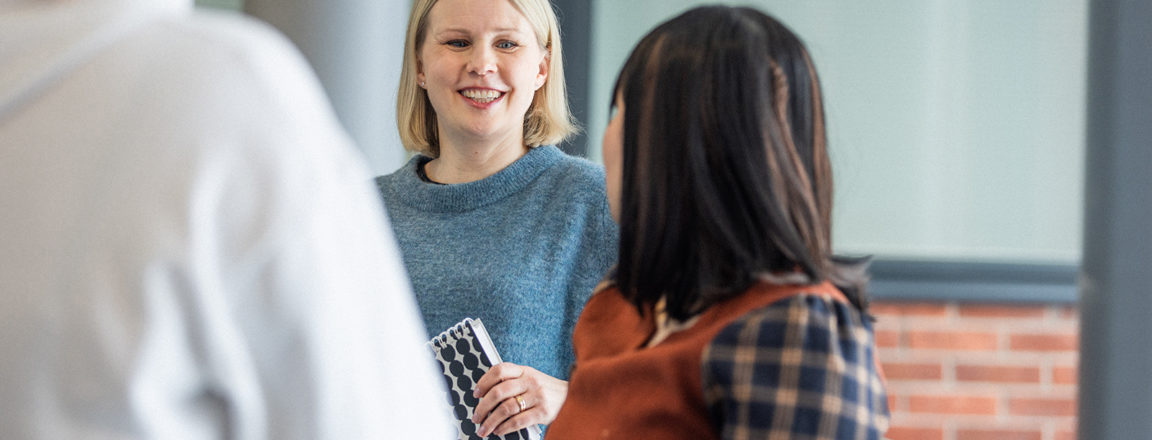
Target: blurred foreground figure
{"points": [[189, 245]]}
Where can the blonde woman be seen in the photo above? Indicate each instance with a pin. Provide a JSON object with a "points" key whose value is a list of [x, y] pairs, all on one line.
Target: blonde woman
{"points": [[493, 220]]}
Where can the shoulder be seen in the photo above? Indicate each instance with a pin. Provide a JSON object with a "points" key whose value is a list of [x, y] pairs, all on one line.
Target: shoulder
{"points": [[238, 98], [216, 92], [581, 170], [806, 349], [247, 67], [568, 189], [393, 184], [213, 39], [575, 171], [225, 34], [576, 185], [794, 330], [806, 312]]}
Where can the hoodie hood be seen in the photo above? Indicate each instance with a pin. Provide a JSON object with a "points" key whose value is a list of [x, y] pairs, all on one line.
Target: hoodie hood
{"points": [[42, 41]]}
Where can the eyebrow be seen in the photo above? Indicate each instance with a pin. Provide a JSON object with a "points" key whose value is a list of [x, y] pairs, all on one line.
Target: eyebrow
{"points": [[466, 31]]}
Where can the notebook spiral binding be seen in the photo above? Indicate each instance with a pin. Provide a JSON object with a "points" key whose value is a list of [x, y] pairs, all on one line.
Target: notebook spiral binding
{"points": [[454, 332]]}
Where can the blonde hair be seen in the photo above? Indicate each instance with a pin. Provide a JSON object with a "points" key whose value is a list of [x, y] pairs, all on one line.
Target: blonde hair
{"points": [[548, 120]]}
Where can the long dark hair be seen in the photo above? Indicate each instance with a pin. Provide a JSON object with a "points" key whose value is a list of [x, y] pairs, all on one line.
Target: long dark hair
{"points": [[726, 175]]}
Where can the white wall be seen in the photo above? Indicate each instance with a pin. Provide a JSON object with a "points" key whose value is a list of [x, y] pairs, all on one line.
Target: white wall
{"points": [[956, 126]]}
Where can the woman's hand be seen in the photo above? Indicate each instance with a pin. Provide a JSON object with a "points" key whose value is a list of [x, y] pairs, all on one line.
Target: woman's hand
{"points": [[513, 397]]}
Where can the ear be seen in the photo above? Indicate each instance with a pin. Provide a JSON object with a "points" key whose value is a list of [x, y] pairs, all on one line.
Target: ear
{"points": [[420, 73], [542, 75]]}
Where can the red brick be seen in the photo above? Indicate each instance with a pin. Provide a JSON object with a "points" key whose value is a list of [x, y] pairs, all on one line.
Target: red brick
{"points": [[997, 434], [914, 337], [973, 405], [1001, 312], [908, 309], [1064, 375], [1069, 313], [1044, 342], [893, 401], [952, 340], [989, 373], [906, 433], [913, 371], [881, 310], [887, 339], [1043, 407]]}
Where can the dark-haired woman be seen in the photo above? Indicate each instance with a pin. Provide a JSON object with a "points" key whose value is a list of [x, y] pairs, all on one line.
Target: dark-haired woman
{"points": [[727, 316]]}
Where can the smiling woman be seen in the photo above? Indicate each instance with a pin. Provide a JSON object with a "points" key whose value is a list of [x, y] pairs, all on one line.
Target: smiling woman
{"points": [[481, 67], [493, 220], [527, 21]]}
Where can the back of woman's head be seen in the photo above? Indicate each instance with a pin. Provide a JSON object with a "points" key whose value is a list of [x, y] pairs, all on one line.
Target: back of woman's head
{"points": [[725, 172]]}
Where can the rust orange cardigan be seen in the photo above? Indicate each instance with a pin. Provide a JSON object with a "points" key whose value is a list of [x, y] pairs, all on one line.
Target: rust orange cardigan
{"points": [[619, 389]]}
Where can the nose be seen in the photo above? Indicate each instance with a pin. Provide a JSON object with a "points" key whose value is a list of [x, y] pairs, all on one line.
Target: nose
{"points": [[482, 61]]}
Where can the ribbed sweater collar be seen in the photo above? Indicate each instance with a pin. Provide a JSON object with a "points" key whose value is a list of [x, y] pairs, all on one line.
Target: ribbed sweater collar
{"points": [[407, 187]]}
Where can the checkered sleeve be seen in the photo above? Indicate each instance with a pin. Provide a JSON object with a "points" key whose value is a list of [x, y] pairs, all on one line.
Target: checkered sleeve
{"points": [[801, 368]]}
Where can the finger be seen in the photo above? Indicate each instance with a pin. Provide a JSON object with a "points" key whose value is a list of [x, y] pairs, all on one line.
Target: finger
{"points": [[498, 373], [507, 409], [529, 417], [506, 390]]}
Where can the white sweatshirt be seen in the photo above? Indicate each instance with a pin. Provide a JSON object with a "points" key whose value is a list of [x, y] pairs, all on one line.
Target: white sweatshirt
{"points": [[190, 248]]}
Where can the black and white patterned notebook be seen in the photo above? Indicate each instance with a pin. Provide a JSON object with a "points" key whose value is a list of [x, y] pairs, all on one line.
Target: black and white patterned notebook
{"points": [[465, 352]]}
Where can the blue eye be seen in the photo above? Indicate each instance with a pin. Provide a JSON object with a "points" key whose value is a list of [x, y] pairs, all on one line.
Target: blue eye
{"points": [[507, 45], [457, 43]]}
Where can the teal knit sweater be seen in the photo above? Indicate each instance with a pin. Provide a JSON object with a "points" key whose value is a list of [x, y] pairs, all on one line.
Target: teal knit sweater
{"points": [[521, 250]]}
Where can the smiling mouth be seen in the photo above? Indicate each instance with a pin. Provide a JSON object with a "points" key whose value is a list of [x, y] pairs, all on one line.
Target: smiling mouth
{"points": [[482, 96]]}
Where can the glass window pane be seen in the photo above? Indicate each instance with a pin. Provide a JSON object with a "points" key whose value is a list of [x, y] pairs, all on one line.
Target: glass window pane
{"points": [[956, 127]]}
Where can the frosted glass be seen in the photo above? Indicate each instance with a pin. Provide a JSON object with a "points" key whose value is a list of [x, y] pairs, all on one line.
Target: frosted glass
{"points": [[956, 127]]}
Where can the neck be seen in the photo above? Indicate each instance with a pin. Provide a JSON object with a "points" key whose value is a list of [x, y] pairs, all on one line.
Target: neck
{"points": [[463, 162]]}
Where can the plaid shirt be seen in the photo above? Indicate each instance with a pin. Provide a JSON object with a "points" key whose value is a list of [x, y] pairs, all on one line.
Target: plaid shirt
{"points": [[801, 368]]}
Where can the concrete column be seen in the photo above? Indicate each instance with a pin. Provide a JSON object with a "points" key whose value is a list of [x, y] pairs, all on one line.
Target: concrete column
{"points": [[575, 18], [1116, 279]]}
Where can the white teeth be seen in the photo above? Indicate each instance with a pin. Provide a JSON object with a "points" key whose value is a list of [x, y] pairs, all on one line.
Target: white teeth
{"points": [[481, 96]]}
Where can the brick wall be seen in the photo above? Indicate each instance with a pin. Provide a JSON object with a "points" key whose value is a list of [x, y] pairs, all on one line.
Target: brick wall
{"points": [[979, 372]]}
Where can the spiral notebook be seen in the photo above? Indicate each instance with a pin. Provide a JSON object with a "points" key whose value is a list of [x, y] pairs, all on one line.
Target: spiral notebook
{"points": [[465, 352]]}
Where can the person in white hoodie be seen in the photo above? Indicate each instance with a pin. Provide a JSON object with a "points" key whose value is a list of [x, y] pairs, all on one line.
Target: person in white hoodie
{"points": [[190, 247]]}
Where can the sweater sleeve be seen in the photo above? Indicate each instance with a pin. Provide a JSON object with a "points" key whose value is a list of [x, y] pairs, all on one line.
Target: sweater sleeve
{"points": [[800, 368], [595, 257]]}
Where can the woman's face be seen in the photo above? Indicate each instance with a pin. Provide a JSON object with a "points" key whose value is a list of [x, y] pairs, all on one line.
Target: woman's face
{"points": [[614, 157], [481, 65]]}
